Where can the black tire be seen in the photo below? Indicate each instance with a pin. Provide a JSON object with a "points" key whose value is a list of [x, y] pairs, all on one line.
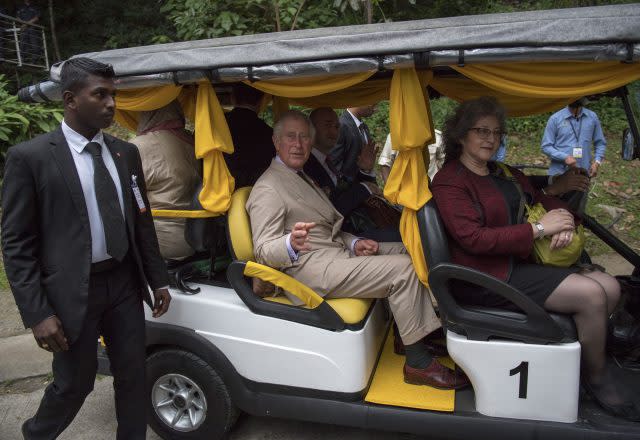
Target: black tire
{"points": [[171, 367]]}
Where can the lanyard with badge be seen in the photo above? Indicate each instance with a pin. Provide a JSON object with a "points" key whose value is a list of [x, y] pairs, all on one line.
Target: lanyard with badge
{"points": [[577, 150]]}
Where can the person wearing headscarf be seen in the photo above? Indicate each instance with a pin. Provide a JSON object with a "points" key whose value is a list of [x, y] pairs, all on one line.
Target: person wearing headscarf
{"points": [[171, 173]]}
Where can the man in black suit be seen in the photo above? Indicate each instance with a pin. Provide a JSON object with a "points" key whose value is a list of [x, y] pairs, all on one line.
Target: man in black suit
{"points": [[354, 137], [252, 144], [80, 250], [347, 195]]}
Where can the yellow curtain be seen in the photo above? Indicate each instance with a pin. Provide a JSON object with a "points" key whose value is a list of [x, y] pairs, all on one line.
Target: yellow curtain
{"points": [[357, 95], [310, 86], [129, 102], [552, 80], [462, 89], [213, 139], [407, 185]]}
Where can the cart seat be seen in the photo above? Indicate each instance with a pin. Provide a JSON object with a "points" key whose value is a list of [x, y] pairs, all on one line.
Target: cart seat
{"points": [[334, 314]]}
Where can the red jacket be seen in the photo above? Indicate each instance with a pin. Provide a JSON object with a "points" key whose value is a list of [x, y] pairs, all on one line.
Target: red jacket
{"points": [[475, 215]]}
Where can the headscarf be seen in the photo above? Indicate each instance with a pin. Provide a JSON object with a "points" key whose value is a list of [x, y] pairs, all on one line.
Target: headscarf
{"points": [[169, 118]]}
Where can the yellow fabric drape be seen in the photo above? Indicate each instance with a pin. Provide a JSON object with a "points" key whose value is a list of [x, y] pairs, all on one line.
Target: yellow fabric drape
{"points": [[183, 213], [310, 298], [552, 80], [129, 102], [213, 139], [310, 86], [407, 185], [463, 89], [358, 95]]}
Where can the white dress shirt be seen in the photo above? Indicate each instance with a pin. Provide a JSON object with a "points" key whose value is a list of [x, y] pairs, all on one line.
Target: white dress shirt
{"points": [[84, 166], [322, 158], [359, 124]]}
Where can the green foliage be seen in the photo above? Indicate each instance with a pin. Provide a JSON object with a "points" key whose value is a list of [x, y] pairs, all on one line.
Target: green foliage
{"points": [[20, 122]]}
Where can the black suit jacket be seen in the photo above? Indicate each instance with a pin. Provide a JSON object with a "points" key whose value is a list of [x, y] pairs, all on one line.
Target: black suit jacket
{"points": [[345, 154], [346, 196], [252, 145], [46, 238]]}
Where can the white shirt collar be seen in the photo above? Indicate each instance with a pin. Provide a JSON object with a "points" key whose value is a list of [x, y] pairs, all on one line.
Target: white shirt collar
{"points": [[78, 141], [356, 120]]}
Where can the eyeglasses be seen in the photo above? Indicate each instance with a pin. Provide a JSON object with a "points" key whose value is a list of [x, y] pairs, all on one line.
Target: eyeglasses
{"points": [[484, 133]]}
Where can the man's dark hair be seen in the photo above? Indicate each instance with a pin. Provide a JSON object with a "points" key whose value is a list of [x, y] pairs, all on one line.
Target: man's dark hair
{"points": [[245, 94], [465, 117], [75, 72]]}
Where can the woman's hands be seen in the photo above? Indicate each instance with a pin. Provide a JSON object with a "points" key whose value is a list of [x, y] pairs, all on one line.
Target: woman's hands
{"points": [[557, 220], [559, 224]]}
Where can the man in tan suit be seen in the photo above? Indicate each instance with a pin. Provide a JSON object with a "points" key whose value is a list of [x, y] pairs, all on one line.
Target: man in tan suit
{"points": [[296, 229]]}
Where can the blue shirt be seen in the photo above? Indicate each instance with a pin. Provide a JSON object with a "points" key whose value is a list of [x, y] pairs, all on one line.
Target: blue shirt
{"points": [[564, 132], [501, 152]]}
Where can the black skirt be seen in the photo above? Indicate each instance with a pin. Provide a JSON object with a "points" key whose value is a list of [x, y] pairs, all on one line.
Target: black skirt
{"points": [[534, 280]]}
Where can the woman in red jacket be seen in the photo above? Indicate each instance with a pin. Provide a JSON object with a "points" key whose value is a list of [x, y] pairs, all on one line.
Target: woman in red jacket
{"points": [[479, 206]]}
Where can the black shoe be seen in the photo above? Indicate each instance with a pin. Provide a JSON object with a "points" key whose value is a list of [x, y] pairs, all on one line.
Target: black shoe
{"points": [[626, 411]]}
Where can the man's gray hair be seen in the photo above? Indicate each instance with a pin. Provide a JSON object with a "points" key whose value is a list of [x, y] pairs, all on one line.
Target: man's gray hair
{"points": [[291, 115]]}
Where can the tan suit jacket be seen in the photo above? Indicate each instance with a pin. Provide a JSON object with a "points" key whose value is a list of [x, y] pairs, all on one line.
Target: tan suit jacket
{"points": [[280, 199], [171, 173]]}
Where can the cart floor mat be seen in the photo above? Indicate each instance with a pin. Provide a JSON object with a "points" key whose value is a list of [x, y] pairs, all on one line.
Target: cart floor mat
{"points": [[388, 386]]}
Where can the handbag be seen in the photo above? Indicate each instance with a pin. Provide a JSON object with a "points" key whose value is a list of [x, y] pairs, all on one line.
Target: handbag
{"points": [[383, 214], [542, 252]]}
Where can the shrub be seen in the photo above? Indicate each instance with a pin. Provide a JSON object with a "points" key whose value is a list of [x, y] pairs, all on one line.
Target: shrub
{"points": [[20, 122]]}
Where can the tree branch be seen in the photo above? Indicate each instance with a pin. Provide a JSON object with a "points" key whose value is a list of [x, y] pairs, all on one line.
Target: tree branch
{"points": [[295, 17]]}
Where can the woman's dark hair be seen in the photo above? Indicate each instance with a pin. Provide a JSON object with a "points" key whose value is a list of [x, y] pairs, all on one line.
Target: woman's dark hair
{"points": [[75, 72], [465, 117]]}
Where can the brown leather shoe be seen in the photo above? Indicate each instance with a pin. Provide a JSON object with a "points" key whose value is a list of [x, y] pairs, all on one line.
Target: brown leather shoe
{"points": [[434, 349], [436, 375]]}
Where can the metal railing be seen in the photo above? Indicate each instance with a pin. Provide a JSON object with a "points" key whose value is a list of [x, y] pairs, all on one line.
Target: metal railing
{"points": [[22, 44]]}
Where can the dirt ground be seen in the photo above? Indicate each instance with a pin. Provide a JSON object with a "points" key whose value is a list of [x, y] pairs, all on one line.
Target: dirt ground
{"points": [[10, 322]]}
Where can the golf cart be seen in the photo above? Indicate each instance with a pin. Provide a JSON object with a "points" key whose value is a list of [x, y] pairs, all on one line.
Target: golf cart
{"points": [[221, 349]]}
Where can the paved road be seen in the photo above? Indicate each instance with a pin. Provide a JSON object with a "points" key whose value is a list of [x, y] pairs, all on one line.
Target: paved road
{"points": [[96, 421]]}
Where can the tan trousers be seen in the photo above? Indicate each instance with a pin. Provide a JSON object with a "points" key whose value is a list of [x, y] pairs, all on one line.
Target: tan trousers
{"points": [[336, 274]]}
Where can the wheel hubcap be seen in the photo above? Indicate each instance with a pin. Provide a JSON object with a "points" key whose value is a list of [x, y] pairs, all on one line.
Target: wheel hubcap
{"points": [[179, 402]]}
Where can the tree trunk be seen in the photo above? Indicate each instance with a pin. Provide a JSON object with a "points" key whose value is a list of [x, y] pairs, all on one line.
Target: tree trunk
{"points": [[368, 7], [276, 9], [54, 37]]}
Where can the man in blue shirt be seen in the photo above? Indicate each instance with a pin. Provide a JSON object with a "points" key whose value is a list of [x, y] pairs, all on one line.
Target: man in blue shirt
{"points": [[568, 137]]}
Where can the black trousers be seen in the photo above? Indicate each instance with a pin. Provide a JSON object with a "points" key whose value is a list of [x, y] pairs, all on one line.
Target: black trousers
{"points": [[115, 312]]}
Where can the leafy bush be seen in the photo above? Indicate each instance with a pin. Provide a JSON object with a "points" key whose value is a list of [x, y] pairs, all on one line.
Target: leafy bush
{"points": [[20, 122]]}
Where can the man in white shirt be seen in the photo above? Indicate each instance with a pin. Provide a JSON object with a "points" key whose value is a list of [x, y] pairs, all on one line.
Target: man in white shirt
{"points": [[80, 251]]}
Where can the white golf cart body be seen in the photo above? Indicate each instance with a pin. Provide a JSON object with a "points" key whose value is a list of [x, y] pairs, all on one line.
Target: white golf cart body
{"points": [[273, 359]]}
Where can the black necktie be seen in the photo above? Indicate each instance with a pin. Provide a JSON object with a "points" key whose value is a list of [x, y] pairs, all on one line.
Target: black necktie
{"points": [[115, 232], [364, 131]]}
